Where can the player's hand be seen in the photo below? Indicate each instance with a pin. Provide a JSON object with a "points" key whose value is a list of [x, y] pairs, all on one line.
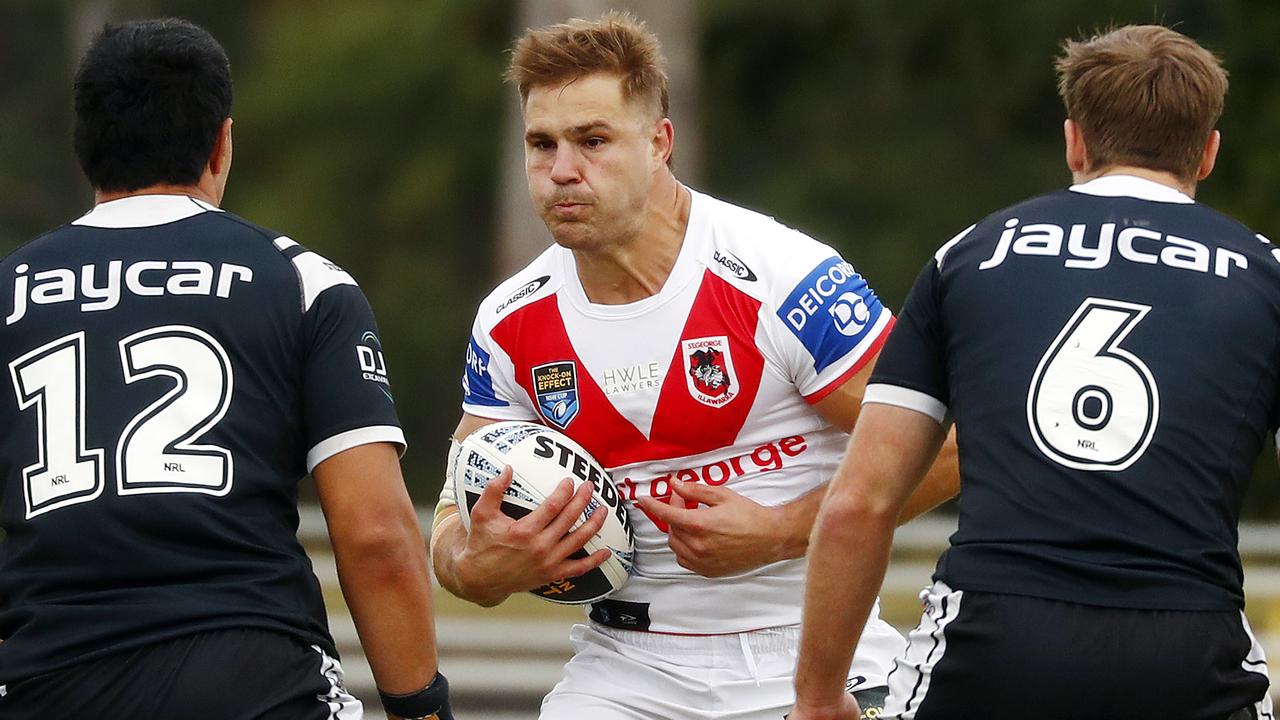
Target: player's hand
{"points": [[504, 556], [730, 535], [845, 709]]}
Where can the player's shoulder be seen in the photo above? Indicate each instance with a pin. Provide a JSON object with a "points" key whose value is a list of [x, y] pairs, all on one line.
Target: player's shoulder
{"points": [[1232, 230], [971, 244], [313, 273], [283, 261], [754, 252], [538, 280]]}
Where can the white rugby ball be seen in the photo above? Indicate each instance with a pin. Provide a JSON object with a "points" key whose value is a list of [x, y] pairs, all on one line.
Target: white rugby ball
{"points": [[540, 458]]}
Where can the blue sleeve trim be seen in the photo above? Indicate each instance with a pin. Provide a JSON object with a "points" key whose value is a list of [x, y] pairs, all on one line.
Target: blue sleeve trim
{"points": [[477, 383], [832, 310]]}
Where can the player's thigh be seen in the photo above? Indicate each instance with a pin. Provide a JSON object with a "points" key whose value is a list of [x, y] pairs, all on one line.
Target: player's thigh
{"points": [[218, 675]]}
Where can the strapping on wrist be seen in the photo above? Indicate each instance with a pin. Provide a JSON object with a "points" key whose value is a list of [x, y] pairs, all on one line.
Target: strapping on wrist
{"points": [[431, 701]]}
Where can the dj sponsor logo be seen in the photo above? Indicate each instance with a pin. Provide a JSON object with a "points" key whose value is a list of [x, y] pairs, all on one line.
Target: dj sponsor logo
{"points": [[710, 374], [525, 291], [764, 458], [734, 265], [555, 385], [373, 365]]}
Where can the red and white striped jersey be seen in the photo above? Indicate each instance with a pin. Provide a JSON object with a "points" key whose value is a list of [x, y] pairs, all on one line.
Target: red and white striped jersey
{"points": [[711, 380]]}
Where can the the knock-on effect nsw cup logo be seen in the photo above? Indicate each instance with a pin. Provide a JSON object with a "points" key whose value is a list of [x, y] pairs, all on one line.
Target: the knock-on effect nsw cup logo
{"points": [[555, 385], [710, 375]]}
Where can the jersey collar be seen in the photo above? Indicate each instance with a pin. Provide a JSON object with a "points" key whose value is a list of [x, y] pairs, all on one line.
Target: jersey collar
{"points": [[1132, 186], [138, 211]]}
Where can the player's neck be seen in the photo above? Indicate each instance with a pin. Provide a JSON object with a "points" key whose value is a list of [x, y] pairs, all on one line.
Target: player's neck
{"points": [[205, 190], [638, 268], [1167, 179]]}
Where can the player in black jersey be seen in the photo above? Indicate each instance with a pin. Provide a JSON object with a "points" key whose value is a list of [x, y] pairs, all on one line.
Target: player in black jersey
{"points": [[1110, 356], [173, 372]]}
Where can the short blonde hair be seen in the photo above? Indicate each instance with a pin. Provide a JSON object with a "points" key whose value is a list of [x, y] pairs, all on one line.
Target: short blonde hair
{"points": [[616, 44], [1143, 95]]}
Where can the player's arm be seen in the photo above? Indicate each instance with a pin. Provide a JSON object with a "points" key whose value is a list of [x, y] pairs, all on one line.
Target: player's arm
{"points": [[382, 564], [733, 534], [501, 556], [718, 532], [941, 483], [891, 450]]}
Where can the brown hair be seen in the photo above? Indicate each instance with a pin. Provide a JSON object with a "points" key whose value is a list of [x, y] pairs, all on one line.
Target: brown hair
{"points": [[617, 43], [1142, 95]]}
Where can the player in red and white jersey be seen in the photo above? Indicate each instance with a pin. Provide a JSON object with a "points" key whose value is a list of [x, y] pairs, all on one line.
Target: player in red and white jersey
{"points": [[711, 358], [712, 381]]}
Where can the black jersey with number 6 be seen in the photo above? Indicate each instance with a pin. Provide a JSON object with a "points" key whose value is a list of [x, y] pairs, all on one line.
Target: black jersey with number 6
{"points": [[1109, 354], [173, 372]]}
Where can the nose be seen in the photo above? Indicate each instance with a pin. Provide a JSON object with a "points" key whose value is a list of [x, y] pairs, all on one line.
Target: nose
{"points": [[564, 170]]}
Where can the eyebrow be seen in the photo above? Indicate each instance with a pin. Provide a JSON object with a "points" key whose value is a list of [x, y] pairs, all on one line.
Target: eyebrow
{"points": [[575, 131]]}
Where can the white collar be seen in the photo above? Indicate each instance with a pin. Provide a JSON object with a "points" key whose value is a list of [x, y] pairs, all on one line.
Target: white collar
{"points": [[1132, 186], [137, 211]]}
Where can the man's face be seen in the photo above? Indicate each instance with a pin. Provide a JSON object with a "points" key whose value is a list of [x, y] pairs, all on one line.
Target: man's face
{"points": [[590, 159]]}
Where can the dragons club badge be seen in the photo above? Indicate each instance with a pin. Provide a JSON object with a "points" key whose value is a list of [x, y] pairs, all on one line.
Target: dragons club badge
{"points": [[710, 375]]}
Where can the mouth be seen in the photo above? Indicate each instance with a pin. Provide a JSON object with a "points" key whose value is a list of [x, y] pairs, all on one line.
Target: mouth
{"points": [[568, 208]]}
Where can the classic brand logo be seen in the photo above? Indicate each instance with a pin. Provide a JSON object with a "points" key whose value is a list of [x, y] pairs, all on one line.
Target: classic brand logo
{"points": [[525, 291], [734, 265], [555, 385], [710, 376]]}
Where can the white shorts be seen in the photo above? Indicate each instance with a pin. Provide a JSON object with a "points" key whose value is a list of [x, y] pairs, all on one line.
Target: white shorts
{"points": [[629, 675]]}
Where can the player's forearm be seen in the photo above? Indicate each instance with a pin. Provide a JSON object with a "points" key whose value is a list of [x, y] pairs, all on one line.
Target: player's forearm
{"points": [[448, 542], [795, 523], [941, 482], [839, 594], [387, 587]]}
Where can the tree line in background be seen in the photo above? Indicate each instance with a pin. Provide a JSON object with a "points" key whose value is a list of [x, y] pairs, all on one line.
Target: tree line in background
{"points": [[372, 133]]}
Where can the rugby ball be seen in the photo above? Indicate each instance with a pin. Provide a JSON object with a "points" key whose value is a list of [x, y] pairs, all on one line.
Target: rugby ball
{"points": [[540, 458]]}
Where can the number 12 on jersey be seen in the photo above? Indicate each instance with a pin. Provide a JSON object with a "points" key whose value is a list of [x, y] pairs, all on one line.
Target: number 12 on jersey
{"points": [[155, 452], [1093, 405]]}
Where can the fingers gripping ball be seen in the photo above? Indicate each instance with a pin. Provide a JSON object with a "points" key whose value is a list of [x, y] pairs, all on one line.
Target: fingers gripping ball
{"points": [[540, 458]]}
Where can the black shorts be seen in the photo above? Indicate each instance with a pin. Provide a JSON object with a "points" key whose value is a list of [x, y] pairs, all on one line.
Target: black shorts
{"points": [[237, 674], [991, 657]]}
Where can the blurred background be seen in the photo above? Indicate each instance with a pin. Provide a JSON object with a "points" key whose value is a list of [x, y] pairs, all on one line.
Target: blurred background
{"points": [[379, 133]]}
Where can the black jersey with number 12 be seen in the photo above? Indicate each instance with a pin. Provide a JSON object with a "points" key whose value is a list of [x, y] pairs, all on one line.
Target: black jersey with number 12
{"points": [[173, 372]]}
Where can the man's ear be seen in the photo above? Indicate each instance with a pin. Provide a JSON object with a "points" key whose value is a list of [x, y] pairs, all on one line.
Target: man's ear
{"points": [[664, 140], [1209, 158], [1076, 152], [220, 156]]}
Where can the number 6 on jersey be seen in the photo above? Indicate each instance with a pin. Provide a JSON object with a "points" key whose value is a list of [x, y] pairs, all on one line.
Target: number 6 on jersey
{"points": [[1093, 405]]}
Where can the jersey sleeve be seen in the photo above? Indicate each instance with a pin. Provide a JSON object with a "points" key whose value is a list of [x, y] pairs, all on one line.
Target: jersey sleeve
{"points": [[828, 326], [489, 387], [912, 371], [346, 393]]}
